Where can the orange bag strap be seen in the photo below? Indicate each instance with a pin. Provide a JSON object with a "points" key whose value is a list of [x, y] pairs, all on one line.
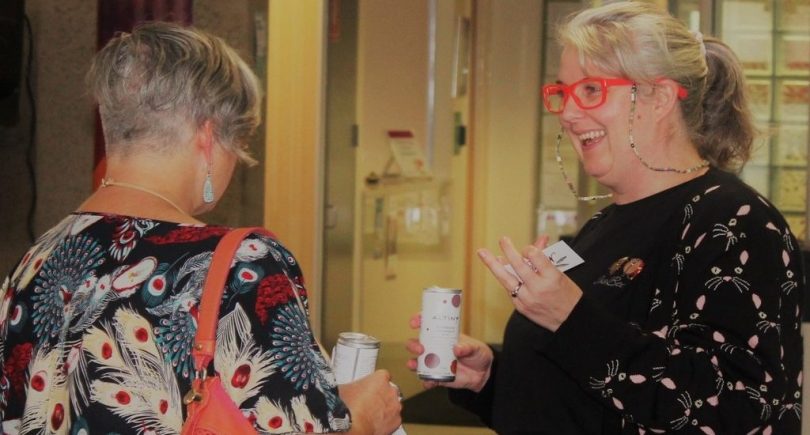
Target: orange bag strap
{"points": [[205, 340]]}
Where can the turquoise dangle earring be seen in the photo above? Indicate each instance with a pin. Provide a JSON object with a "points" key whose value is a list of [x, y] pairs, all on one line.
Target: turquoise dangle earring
{"points": [[208, 187]]}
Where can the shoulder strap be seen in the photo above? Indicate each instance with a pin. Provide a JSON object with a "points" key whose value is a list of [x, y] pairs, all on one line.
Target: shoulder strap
{"points": [[205, 340]]}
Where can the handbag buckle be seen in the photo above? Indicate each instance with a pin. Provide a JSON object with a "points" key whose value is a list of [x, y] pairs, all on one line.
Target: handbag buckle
{"points": [[195, 394], [192, 396]]}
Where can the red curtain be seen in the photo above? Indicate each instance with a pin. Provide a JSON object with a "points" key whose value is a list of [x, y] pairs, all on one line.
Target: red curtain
{"points": [[122, 16]]}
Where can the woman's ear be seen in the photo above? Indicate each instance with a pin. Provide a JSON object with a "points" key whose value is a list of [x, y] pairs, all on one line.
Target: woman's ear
{"points": [[205, 139], [666, 97]]}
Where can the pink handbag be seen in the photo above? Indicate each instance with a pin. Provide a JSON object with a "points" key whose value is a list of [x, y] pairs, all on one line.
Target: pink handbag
{"points": [[209, 409]]}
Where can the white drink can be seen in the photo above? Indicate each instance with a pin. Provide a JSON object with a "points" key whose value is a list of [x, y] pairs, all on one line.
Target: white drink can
{"points": [[354, 356], [441, 312]]}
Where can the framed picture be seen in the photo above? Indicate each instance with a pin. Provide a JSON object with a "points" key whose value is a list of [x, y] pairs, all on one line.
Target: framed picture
{"points": [[794, 15], [461, 58], [759, 95], [794, 54], [754, 49], [790, 191], [793, 100], [758, 177], [792, 145], [761, 148], [746, 16]]}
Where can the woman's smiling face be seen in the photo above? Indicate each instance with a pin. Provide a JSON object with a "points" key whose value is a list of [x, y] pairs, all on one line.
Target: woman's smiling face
{"points": [[599, 135]]}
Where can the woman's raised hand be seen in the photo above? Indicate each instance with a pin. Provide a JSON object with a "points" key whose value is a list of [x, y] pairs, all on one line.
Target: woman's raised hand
{"points": [[539, 291], [474, 360], [374, 403]]}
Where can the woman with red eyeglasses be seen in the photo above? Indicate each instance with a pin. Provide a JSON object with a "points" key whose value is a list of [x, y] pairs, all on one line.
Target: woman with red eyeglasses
{"points": [[685, 315]]}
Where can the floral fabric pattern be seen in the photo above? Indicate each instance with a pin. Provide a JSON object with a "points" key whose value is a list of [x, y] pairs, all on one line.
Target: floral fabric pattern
{"points": [[98, 319]]}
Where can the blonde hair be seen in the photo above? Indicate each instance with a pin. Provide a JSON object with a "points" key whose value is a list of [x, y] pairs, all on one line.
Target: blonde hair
{"points": [[160, 83], [642, 42]]}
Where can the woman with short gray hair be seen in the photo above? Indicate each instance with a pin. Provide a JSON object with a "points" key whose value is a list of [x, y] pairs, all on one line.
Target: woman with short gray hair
{"points": [[98, 317]]}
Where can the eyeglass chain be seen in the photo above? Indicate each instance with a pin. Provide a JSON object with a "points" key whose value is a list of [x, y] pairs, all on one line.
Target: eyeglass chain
{"points": [[704, 163], [568, 180]]}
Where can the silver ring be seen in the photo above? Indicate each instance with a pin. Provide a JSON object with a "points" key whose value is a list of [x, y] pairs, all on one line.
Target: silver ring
{"points": [[515, 290]]}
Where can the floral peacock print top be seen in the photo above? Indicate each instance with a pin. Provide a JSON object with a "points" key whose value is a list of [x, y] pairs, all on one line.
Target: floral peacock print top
{"points": [[99, 316]]}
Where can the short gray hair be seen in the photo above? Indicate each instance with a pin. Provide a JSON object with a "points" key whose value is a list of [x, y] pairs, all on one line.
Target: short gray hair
{"points": [[161, 82]]}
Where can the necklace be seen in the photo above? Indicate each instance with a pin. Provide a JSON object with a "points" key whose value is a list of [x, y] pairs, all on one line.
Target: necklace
{"points": [[106, 182]]}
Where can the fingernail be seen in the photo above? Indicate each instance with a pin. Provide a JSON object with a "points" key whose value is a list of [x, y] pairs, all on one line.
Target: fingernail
{"points": [[481, 253]]}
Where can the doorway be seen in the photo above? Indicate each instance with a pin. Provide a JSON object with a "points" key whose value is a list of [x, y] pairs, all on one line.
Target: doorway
{"points": [[390, 232]]}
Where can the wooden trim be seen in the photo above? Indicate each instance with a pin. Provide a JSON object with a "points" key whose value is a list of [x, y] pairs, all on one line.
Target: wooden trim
{"points": [[294, 167], [477, 172], [470, 247]]}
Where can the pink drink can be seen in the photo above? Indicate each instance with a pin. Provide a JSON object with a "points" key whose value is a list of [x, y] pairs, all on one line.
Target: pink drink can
{"points": [[441, 312]]}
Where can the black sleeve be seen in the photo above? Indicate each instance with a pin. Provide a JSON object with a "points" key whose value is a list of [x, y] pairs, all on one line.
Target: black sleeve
{"points": [[727, 355], [479, 403]]}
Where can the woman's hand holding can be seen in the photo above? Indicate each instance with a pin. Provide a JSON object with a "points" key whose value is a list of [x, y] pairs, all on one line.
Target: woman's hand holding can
{"points": [[474, 361]]}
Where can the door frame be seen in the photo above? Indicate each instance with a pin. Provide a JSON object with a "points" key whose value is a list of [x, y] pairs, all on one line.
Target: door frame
{"points": [[294, 152]]}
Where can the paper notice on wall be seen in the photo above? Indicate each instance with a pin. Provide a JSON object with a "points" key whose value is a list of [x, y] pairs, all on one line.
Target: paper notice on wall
{"points": [[407, 154]]}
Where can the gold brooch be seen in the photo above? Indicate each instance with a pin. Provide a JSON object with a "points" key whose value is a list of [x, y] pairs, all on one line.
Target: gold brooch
{"points": [[630, 267]]}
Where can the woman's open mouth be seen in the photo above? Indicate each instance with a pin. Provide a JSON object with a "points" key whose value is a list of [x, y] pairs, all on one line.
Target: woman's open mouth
{"points": [[590, 137]]}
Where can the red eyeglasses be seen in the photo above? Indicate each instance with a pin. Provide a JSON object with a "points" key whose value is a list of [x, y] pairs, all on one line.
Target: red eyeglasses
{"points": [[588, 93]]}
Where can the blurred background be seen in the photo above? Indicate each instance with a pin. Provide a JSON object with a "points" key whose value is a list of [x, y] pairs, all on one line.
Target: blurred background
{"points": [[399, 137]]}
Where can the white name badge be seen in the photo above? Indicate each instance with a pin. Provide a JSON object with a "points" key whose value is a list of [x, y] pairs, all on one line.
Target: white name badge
{"points": [[560, 254]]}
